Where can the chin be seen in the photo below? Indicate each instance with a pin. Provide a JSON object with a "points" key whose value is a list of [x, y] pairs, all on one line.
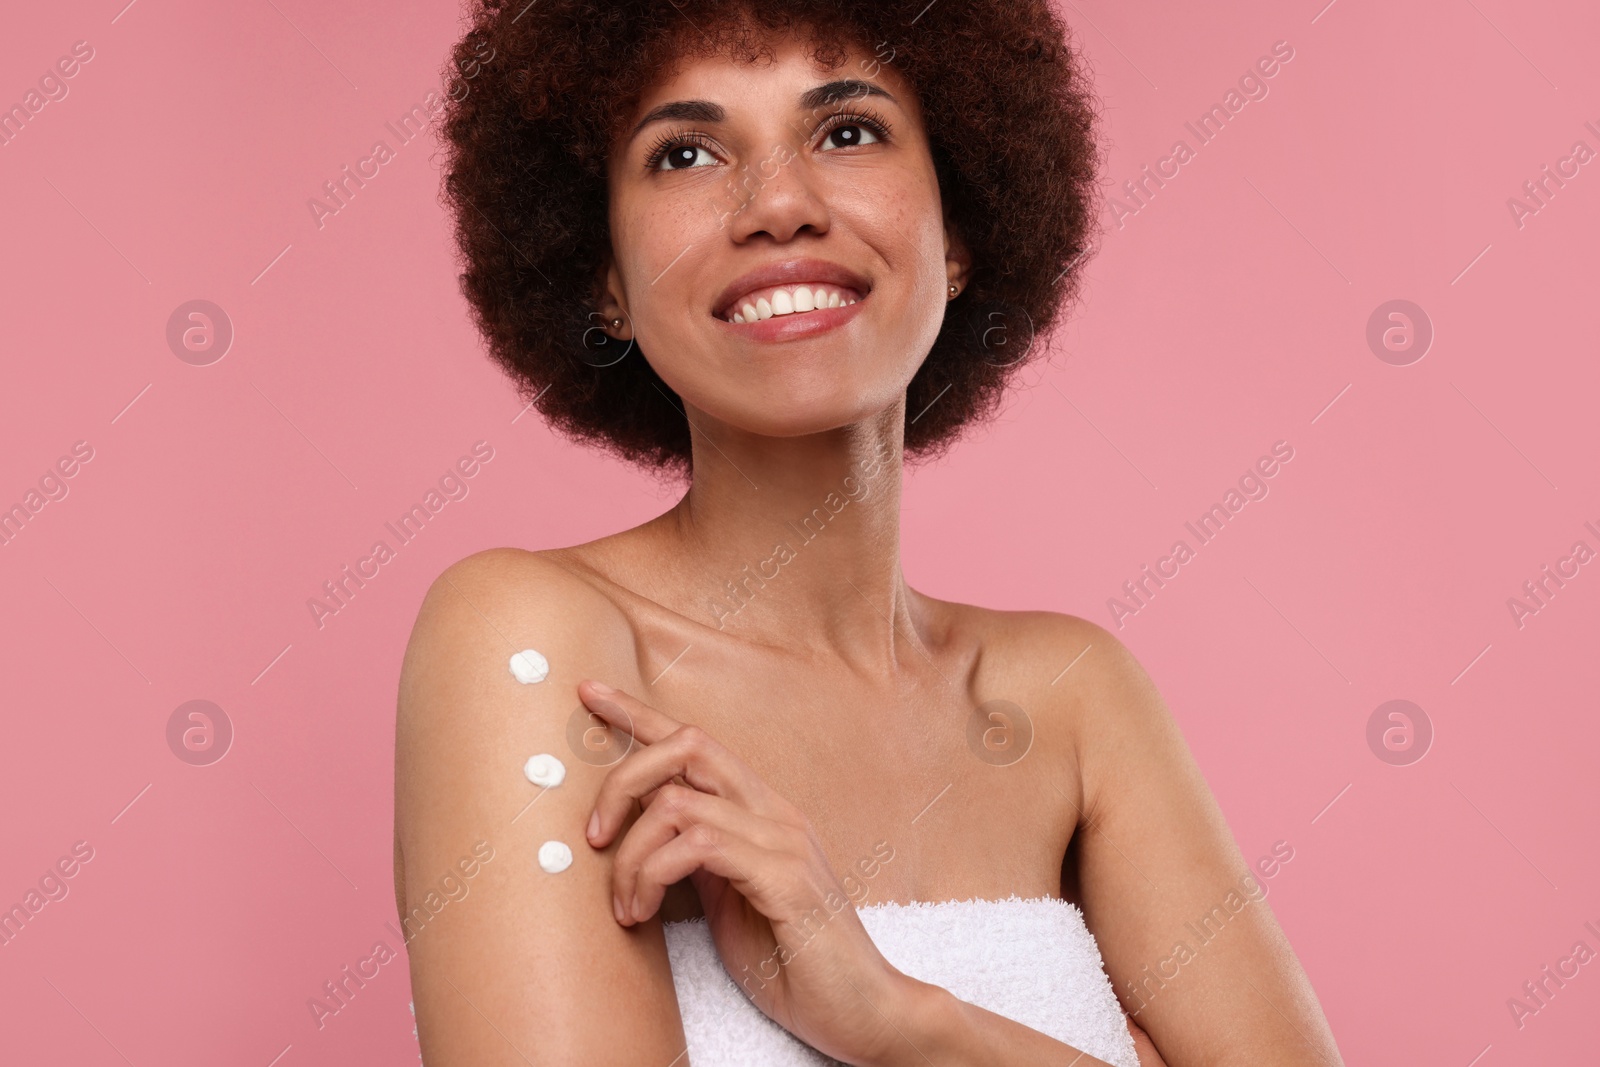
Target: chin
{"points": [[780, 412]]}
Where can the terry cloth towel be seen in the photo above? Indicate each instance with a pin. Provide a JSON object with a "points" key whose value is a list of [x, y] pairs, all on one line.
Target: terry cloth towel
{"points": [[1031, 960]]}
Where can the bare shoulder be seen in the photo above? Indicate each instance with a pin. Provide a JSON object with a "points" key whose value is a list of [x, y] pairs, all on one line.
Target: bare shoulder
{"points": [[457, 685], [1075, 668], [1037, 632], [501, 583], [514, 958], [1154, 848], [1093, 708], [456, 680], [1102, 696]]}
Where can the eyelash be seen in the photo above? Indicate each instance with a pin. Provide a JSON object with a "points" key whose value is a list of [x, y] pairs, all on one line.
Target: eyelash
{"points": [[878, 125]]}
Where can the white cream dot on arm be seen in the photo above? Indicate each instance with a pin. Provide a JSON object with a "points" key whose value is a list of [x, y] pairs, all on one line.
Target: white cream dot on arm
{"points": [[554, 857], [545, 770], [529, 667]]}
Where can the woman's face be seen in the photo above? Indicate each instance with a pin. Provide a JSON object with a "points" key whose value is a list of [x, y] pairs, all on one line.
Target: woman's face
{"points": [[737, 186]]}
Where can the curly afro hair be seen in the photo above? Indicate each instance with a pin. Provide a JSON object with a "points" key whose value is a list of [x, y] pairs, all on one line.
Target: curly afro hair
{"points": [[538, 94]]}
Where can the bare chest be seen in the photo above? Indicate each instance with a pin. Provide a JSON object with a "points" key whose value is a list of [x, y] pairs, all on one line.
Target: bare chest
{"points": [[911, 793]]}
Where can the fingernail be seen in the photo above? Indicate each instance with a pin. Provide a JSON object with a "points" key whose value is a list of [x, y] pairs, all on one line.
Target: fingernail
{"points": [[616, 908], [600, 687], [594, 825]]}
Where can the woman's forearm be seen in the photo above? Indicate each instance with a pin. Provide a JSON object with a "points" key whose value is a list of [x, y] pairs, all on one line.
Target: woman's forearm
{"points": [[935, 1026]]}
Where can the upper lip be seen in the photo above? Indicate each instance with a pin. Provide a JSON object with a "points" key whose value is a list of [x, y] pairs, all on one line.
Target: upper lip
{"points": [[785, 272]]}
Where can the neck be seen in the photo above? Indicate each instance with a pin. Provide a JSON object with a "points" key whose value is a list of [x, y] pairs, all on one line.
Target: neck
{"points": [[795, 541]]}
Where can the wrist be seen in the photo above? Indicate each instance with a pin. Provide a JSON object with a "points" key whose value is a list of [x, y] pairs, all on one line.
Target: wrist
{"points": [[918, 1017]]}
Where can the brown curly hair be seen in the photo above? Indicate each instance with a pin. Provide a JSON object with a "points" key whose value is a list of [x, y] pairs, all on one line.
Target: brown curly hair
{"points": [[538, 93]]}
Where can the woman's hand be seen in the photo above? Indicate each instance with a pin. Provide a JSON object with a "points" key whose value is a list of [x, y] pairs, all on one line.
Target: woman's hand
{"points": [[785, 929]]}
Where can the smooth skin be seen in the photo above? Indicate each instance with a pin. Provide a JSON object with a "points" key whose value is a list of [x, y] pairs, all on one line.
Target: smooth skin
{"points": [[749, 765]]}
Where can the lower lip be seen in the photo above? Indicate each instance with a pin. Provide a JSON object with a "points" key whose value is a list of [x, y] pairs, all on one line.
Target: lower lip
{"points": [[795, 326]]}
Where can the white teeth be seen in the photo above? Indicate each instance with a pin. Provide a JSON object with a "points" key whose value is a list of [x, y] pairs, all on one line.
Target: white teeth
{"points": [[803, 298]]}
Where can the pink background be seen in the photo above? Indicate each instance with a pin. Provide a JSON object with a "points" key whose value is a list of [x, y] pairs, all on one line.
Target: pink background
{"points": [[1228, 313]]}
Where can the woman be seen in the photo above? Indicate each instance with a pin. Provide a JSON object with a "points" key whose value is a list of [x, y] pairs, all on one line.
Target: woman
{"points": [[778, 249]]}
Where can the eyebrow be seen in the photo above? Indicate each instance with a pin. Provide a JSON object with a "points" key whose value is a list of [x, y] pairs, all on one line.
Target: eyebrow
{"points": [[810, 100]]}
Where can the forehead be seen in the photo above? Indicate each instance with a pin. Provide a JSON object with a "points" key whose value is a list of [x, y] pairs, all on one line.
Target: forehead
{"points": [[777, 70]]}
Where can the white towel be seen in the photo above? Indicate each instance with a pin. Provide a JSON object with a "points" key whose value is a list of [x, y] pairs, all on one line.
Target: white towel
{"points": [[1031, 960]]}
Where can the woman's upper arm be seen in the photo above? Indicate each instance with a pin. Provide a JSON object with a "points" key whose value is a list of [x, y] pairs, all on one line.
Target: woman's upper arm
{"points": [[1188, 940], [510, 964]]}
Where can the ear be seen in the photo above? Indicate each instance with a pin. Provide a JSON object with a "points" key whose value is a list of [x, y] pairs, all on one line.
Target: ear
{"points": [[957, 257], [612, 303]]}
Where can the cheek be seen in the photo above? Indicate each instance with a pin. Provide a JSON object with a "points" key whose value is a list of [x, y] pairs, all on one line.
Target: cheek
{"points": [[905, 220], [657, 250], [908, 233]]}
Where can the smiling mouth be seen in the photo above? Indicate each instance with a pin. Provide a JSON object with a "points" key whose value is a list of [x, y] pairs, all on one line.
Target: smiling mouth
{"points": [[776, 301]]}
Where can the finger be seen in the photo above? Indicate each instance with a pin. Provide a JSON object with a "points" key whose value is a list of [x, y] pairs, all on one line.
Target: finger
{"points": [[779, 883], [686, 812], [741, 862], [626, 712], [693, 755]]}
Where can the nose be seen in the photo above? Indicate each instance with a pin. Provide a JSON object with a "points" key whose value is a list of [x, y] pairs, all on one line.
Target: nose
{"points": [[780, 196]]}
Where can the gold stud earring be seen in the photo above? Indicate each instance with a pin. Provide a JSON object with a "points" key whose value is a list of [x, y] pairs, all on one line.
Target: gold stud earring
{"points": [[954, 289], [616, 324]]}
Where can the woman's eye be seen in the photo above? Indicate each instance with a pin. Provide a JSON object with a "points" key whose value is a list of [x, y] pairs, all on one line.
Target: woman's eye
{"points": [[683, 157], [849, 135]]}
